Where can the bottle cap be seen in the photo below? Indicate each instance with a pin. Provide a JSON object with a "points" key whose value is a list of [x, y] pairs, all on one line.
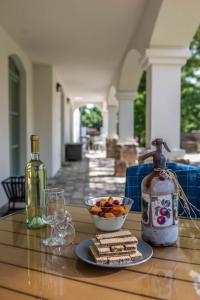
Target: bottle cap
{"points": [[35, 143]]}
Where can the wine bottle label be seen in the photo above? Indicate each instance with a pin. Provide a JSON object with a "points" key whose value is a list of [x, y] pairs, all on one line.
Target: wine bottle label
{"points": [[162, 210], [145, 208]]}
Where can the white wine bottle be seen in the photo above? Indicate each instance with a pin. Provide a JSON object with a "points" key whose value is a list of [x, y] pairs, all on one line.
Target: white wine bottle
{"points": [[35, 183]]}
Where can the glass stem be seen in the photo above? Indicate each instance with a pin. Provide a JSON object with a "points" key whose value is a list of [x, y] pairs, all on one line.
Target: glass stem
{"points": [[53, 233]]}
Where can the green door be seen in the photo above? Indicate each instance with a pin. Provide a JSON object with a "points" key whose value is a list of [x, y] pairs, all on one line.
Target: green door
{"points": [[14, 117]]}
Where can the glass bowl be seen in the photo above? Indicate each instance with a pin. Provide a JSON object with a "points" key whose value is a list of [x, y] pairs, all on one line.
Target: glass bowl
{"points": [[109, 213]]}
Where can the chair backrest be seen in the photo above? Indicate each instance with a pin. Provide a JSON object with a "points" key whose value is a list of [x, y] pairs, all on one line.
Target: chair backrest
{"points": [[14, 188], [188, 177]]}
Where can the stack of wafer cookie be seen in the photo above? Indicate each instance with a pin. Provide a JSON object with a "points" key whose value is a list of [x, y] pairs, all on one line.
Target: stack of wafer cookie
{"points": [[114, 247]]}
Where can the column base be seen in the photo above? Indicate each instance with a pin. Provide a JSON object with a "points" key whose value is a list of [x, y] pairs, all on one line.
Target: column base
{"points": [[110, 147], [126, 155], [127, 141]]}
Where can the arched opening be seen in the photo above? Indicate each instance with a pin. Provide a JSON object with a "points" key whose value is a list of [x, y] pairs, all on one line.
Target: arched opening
{"points": [[88, 124], [17, 115]]}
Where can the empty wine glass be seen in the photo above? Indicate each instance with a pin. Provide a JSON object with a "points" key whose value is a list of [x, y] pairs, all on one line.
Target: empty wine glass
{"points": [[54, 214], [65, 229]]}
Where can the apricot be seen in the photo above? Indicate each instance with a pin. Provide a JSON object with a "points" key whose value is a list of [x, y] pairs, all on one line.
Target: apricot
{"points": [[122, 210], [108, 215], [126, 209], [94, 210], [116, 211]]}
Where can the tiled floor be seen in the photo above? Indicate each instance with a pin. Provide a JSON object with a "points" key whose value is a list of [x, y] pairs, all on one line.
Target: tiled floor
{"points": [[93, 176]]}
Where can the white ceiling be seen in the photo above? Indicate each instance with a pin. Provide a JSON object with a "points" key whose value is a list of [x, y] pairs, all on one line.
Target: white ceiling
{"points": [[85, 39]]}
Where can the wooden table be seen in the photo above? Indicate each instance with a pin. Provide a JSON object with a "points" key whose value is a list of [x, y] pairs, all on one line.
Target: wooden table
{"points": [[28, 270]]}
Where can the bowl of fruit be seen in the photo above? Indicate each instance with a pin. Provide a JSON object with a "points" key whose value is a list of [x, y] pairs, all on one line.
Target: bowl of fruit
{"points": [[109, 213]]}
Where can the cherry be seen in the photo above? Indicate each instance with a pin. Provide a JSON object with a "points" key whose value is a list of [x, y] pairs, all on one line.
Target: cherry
{"points": [[161, 220], [163, 211], [107, 204], [116, 202], [101, 214]]}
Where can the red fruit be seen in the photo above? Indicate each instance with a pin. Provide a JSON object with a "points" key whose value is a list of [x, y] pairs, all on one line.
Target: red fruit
{"points": [[101, 214], [161, 220], [116, 202], [163, 211], [107, 204], [98, 203]]}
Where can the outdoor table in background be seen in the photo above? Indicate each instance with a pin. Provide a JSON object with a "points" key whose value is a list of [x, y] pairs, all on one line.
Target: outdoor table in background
{"points": [[28, 270]]}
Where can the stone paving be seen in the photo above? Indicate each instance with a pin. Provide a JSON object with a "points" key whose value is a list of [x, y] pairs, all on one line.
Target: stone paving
{"points": [[91, 177]]}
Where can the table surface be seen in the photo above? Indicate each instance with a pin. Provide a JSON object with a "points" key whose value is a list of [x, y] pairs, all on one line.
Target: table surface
{"points": [[28, 270]]}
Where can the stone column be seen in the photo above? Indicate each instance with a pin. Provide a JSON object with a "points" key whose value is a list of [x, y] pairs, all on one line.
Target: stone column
{"points": [[126, 116], [126, 150], [163, 96], [112, 131], [112, 122]]}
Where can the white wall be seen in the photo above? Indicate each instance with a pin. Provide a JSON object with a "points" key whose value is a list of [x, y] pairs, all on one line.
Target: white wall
{"points": [[56, 126], [41, 109], [43, 80], [48, 116], [9, 47]]}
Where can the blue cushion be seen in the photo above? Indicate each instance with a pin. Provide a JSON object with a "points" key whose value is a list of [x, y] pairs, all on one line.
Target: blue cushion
{"points": [[188, 176]]}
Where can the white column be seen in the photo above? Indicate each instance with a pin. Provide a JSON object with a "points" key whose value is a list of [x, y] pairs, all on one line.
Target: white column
{"points": [[76, 126], [68, 121], [104, 129], [163, 96], [126, 116], [112, 122]]}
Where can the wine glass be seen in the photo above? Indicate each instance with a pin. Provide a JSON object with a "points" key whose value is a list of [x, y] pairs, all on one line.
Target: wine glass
{"points": [[65, 229], [54, 214]]}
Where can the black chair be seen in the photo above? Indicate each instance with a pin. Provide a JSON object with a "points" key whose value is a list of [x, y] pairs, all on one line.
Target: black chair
{"points": [[14, 188]]}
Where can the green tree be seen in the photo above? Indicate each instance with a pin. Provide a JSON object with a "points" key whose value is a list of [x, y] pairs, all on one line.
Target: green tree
{"points": [[140, 111], [91, 117], [190, 91]]}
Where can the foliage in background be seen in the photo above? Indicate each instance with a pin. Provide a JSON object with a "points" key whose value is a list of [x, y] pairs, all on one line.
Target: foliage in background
{"points": [[190, 95], [190, 92], [140, 111], [91, 117]]}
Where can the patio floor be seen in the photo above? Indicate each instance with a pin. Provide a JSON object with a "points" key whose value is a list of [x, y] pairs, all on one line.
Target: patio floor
{"points": [[91, 177]]}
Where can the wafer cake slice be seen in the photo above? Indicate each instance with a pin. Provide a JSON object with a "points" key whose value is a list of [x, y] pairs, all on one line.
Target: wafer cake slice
{"points": [[114, 259], [121, 233], [124, 258], [114, 250], [118, 241]]}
